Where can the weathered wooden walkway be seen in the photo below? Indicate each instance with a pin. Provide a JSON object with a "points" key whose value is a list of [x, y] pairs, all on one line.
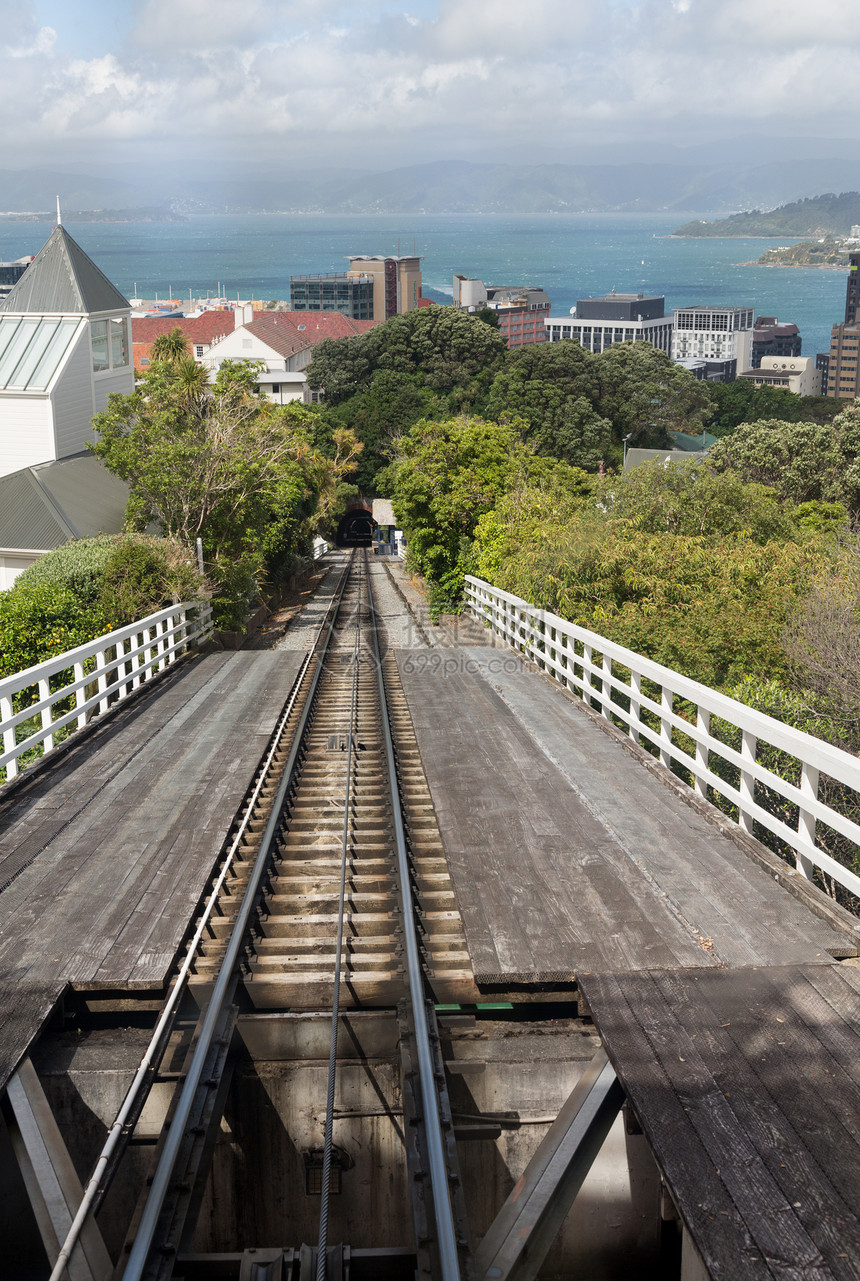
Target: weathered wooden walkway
{"points": [[104, 856], [568, 856], [707, 965]]}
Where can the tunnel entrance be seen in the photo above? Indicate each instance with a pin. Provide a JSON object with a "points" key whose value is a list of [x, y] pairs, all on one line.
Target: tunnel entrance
{"points": [[355, 528]]}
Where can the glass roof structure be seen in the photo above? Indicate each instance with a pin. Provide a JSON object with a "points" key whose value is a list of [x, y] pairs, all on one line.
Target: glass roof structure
{"points": [[31, 349]]}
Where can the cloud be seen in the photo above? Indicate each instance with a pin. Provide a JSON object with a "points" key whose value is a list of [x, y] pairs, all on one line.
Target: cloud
{"points": [[384, 79]]}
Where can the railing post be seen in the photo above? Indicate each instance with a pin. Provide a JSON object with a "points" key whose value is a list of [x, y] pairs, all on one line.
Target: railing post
{"points": [[607, 687], [80, 692], [102, 679], [667, 705], [9, 744], [805, 820], [703, 752], [635, 705], [138, 659], [45, 692], [121, 681], [586, 673], [749, 743]]}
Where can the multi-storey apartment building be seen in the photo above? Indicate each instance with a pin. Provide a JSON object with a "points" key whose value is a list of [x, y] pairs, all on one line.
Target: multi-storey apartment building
{"points": [[598, 323], [721, 336]]}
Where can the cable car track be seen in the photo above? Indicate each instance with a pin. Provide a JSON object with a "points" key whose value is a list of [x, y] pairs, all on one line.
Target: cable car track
{"points": [[340, 844]]}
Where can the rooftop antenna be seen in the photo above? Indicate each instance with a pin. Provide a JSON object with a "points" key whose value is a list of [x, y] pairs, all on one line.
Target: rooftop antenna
{"points": [[59, 215]]}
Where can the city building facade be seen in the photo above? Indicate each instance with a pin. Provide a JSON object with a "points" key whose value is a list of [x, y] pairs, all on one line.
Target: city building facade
{"points": [[721, 336], [200, 332], [797, 374], [346, 293], [841, 364], [375, 287], [599, 323], [770, 338], [521, 310], [11, 273]]}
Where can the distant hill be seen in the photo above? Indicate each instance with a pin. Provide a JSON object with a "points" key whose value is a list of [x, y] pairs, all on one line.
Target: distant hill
{"points": [[816, 216], [448, 187]]}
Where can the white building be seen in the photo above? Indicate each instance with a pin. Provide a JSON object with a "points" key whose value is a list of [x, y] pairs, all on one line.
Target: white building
{"points": [[65, 345], [714, 334], [793, 373], [599, 335]]}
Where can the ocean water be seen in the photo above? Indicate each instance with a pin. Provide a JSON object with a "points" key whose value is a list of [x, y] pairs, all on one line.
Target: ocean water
{"points": [[569, 255]]}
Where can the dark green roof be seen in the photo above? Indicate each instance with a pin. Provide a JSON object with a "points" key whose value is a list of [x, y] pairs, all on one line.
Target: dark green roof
{"points": [[63, 279], [44, 506]]}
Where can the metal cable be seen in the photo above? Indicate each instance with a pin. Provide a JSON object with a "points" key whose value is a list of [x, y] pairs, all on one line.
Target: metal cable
{"points": [[332, 1057]]}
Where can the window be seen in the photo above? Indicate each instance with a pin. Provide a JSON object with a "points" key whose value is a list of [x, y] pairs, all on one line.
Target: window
{"points": [[118, 343], [99, 341], [198, 349]]}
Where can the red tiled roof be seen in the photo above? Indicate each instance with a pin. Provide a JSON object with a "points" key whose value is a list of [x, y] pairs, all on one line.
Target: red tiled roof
{"points": [[200, 329], [287, 332]]}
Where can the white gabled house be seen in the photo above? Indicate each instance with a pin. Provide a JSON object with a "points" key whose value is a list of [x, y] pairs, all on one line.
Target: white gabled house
{"points": [[65, 345]]}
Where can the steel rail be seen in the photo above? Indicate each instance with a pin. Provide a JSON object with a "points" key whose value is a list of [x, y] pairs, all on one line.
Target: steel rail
{"points": [[143, 1241], [444, 1214], [151, 1054], [332, 1059]]}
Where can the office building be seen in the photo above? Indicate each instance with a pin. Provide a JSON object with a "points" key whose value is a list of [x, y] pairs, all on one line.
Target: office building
{"points": [[521, 309], [599, 323], [374, 288], [842, 365], [721, 336], [349, 293], [770, 338]]}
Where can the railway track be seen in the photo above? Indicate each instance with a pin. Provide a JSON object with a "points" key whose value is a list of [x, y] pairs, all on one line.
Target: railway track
{"points": [[337, 899]]}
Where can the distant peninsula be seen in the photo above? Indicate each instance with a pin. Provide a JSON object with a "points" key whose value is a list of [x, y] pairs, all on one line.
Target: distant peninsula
{"points": [[818, 216], [148, 214], [831, 251]]}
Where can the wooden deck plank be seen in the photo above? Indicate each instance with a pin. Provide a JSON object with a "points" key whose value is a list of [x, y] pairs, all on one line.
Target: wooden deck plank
{"points": [[105, 887], [739, 1065], [711, 883], [543, 886]]}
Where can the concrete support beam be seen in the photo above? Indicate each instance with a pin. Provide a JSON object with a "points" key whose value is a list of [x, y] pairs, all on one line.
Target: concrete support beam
{"points": [[522, 1233], [50, 1177]]}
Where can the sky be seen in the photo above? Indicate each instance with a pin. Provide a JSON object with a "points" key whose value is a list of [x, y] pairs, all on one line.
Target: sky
{"points": [[196, 86]]}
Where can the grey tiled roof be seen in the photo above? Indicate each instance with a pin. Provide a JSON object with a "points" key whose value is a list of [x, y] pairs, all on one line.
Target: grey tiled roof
{"points": [[62, 278], [44, 506]]}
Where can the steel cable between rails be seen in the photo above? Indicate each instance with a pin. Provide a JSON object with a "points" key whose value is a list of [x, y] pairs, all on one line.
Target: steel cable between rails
{"points": [[332, 1060]]}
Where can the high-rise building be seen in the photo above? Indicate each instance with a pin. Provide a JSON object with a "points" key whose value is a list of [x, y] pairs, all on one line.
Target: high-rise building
{"points": [[843, 365], [11, 273], [396, 282], [374, 288], [599, 323], [721, 336]]}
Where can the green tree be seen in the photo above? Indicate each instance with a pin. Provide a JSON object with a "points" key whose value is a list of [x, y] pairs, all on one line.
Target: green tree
{"points": [[170, 347], [691, 499], [803, 462], [224, 465], [392, 403], [554, 388], [454, 354], [645, 395], [742, 402]]}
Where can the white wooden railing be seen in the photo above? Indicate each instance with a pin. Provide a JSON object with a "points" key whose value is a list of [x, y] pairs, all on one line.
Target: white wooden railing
{"points": [[103, 672], [589, 664]]}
